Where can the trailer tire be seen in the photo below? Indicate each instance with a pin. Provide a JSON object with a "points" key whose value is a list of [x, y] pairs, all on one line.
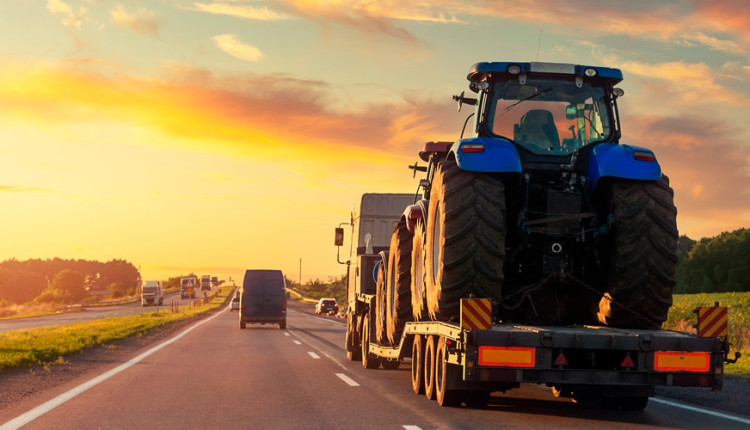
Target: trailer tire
{"points": [[390, 364], [417, 364], [636, 404], [368, 360], [398, 285], [477, 399], [353, 348], [429, 367], [643, 260], [444, 373], [242, 325], [418, 303], [465, 240]]}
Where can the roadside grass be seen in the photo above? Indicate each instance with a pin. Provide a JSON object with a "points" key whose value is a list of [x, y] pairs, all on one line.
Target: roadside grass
{"points": [[682, 318], [49, 345]]}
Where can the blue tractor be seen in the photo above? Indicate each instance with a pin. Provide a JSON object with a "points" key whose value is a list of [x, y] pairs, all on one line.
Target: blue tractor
{"points": [[539, 207]]}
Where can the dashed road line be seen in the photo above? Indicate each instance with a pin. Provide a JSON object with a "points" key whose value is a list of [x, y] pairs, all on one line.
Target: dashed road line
{"points": [[298, 342], [313, 355], [703, 411], [410, 427], [348, 380]]}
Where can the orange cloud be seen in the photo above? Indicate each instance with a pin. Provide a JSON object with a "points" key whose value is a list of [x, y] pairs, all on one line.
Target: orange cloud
{"points": [[707, 165], [241, 11], [143, 21], [230, 44], [261, 112]]}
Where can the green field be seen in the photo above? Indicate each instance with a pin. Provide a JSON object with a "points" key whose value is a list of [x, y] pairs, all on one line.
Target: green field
{"points": [[51, 344], [682, 318]]}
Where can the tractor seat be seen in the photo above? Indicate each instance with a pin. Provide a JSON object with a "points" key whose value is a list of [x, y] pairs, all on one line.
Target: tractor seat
{"points": [[537, 128]]}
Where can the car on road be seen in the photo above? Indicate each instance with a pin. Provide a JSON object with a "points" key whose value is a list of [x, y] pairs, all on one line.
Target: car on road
{"points": [[263, 298], [326, 306], [235, 305]]}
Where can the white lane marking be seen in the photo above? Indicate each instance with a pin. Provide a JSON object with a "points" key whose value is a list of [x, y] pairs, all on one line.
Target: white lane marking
{"points": [[408, 427], [703, 411], [286, 334], [347, 379], [313, 355], [42, 409], [298, 342]]}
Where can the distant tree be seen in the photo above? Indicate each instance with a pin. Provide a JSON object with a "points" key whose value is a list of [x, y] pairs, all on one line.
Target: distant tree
{"points": [[718, 264], [72, 282]]}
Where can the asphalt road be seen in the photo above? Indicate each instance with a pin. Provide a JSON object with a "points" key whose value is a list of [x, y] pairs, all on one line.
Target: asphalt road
{"points": [[88, 314], [218, 376]]}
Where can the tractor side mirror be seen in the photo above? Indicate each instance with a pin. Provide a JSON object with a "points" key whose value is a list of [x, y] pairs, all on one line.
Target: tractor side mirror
{"points": [[339, 237]]}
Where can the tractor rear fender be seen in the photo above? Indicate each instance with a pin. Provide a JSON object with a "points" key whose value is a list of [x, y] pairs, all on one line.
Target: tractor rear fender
{"points": [[622, 161], [415, 212], [484, 154]]}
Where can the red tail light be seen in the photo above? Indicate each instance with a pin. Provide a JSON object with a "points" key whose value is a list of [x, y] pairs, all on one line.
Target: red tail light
{"points": [[472, 147]]}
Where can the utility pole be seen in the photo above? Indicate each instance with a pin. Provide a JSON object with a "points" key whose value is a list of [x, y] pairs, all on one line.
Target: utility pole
{"points": [[300, 271]]}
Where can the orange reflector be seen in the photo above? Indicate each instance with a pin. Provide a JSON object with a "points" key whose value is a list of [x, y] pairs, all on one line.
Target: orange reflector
{"points": [[678, 361], [507, 356]]}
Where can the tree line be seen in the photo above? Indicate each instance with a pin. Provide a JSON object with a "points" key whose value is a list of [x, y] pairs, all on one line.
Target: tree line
{"points": [[714, 265], [64, 281]]}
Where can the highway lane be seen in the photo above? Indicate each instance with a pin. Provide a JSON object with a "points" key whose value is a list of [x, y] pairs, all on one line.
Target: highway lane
{"points": [[218, 376], [88, 313]]}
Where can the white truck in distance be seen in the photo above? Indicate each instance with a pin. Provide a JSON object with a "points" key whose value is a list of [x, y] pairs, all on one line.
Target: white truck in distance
{"points": [[151, 293]]}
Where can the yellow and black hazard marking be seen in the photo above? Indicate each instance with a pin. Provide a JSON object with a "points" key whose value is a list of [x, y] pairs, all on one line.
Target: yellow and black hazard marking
{"points": [[712, 321], [476, 314]]}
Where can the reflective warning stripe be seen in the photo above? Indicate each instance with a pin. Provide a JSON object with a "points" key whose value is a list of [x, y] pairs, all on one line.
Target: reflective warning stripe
{"points": [[476, 314], [712, 321]]}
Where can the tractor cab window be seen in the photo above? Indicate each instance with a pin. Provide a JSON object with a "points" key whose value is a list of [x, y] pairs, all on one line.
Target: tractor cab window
{"points": [[550, 116]]}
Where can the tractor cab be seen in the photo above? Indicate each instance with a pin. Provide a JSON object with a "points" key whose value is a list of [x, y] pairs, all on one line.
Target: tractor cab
{"points": [[545, 108]]}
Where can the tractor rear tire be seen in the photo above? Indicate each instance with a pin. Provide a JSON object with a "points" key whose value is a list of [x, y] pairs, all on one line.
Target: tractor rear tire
{"points": [[398, 287], [418, 302], [465, 240], [643, 260], [381, 300]]}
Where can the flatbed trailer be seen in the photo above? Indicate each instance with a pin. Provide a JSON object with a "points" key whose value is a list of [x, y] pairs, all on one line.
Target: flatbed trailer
{"points": [[619, 367]]}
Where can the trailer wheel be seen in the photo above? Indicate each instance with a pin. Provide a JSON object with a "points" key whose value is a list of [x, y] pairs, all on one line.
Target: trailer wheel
{"points": [[477, 399], [368, 360], [417, 365], [353, 348], [282, 325], [643, 260], [390, 364], [242, 324], [628, 403], [418, 303], [444, 373], [465, 241], [398, 287], [429, 367]]}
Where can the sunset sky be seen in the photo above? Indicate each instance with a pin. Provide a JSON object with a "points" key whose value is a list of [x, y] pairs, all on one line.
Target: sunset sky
{"points": [[218, 136]]}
